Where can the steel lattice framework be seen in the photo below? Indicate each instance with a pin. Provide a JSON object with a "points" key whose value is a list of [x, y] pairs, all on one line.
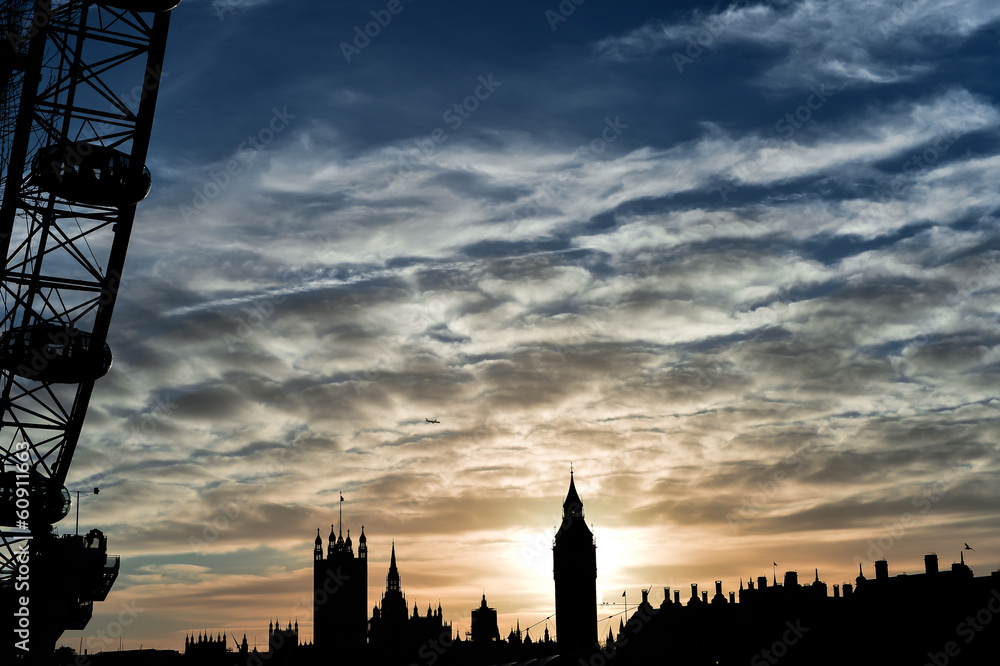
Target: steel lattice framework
{"points": [[78, 71]]}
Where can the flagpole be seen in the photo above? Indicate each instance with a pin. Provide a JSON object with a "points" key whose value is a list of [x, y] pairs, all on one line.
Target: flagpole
{"points": [[625, 594]]}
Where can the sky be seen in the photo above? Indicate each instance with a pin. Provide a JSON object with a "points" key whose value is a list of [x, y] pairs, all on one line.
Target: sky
{"points": [[736, 264]]}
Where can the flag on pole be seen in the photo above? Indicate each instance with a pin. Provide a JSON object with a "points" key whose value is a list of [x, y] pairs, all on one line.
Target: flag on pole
{"points": [[623, 594], [774, 563], [341, 497]]}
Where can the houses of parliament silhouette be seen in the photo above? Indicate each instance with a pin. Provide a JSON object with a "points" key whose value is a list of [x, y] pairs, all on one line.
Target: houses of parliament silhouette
{"points": [[935, 618]]}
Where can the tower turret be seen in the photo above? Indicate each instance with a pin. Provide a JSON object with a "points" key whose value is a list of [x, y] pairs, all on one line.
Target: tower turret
{"points": [[340, 599], [819, 587], [318, 548]]}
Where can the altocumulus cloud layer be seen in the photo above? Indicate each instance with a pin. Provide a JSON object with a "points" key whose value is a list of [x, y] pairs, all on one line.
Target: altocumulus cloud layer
{"points": [[739, 265]]}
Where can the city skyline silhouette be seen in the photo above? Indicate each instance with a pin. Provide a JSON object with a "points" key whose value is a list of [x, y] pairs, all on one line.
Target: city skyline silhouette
{"points": [[696, 627]]}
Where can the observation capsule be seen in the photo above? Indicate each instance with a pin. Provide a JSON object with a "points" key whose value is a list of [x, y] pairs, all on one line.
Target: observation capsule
{"points": [[54, 353], [89, 174], [46, 503]]}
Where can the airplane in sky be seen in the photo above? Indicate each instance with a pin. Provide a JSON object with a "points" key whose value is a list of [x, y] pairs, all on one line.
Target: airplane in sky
{"points": [[430, 421]]}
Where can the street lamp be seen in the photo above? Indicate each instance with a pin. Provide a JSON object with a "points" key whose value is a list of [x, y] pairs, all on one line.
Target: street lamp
{"points": [[96, 491]]}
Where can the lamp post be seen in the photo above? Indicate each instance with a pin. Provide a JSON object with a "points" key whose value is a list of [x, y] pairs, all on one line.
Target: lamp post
{"points": [[78, 493]]}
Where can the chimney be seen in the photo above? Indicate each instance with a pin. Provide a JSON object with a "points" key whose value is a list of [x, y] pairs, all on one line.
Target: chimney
{"points": [[718, 587], [677, 596], [704, 597], [694, 590], [666, 595], [791, 579], [732, 597], [848, 590], [761, 582], [836, 591], [881, 570], [931, 563]]}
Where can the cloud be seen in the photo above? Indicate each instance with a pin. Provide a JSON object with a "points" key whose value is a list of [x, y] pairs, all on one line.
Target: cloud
{"points": [[851, 42]]}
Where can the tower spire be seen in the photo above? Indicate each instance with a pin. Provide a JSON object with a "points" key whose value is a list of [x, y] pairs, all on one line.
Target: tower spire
{"points": [[573, 506], [392, 579]]}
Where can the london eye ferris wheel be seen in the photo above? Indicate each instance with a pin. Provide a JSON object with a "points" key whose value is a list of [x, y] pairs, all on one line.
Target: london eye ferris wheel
{"points": [[78, 86]]}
